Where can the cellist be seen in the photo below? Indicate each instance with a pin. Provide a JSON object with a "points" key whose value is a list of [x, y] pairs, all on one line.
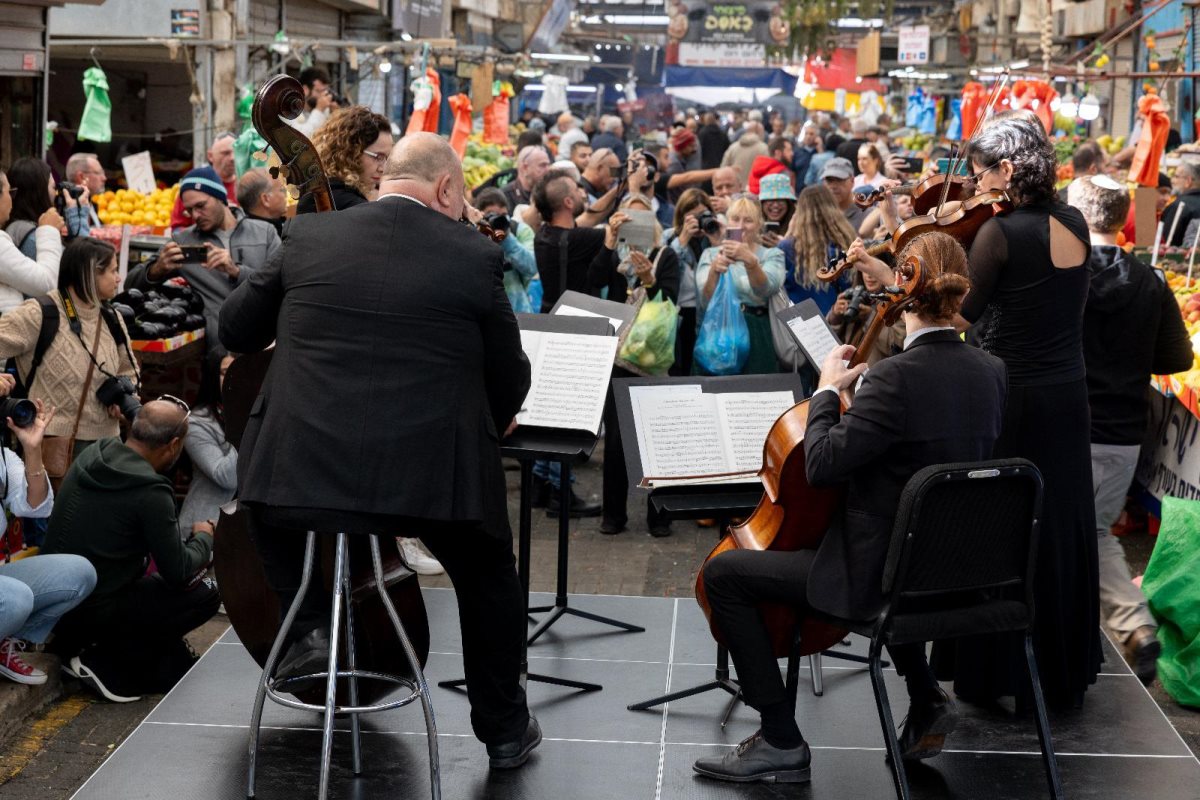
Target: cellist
{"points": [[937, 401]]}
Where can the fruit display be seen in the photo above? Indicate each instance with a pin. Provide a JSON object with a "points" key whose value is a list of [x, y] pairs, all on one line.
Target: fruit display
{"points": [[916, 141], [1112, 145], [1185, 385], [171, 309], [126, 206], [482, 161]]}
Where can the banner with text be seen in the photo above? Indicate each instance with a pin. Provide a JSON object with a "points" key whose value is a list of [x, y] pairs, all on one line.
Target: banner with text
{"points": [[1170, 457], [722, 55], [913, 45], [742, 23]]}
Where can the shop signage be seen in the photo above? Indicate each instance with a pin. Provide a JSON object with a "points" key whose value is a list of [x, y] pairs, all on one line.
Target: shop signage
{"points": [[29, 62], [185, 22], [722, 55], [913, 47], [139, 172], [1170, 458], [747, 22]]}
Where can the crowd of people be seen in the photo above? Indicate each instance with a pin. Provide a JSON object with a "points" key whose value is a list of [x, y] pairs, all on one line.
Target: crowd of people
{"points": [[1069, 327]]}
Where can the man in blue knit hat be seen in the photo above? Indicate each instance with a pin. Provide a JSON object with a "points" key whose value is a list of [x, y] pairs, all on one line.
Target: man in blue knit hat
{"points": [[232, 246]]}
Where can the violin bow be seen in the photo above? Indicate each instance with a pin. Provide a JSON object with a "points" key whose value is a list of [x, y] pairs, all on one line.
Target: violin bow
{"points": [[956, 161]]}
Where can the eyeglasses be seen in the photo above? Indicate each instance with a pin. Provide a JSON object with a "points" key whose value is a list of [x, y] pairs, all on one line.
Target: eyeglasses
{"points": [[187, 411], [378, 157], [973, 180], [190, 211]]}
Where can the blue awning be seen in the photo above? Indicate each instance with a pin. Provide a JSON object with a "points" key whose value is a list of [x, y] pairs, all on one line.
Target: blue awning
{"points": [[729, 77]]}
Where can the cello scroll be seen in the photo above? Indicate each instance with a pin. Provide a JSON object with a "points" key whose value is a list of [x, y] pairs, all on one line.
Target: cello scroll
{"points": [[278, 100]]}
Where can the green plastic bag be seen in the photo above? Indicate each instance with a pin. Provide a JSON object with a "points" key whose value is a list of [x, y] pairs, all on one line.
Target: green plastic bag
{"points": [[96, 123], [249, 141], [1173, 593], [649, 345]]}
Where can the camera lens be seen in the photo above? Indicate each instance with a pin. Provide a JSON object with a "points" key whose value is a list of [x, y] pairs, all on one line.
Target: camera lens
{"points": [[21, 412]]}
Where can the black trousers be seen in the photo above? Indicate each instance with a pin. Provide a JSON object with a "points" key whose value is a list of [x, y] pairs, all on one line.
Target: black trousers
{"points": [[135, 639], [491, 610], [736, 582]]}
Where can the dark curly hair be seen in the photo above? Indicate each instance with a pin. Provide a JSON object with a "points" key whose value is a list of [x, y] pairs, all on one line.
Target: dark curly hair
{"points": [[342, 139], [1021, 139], [946, 282]]}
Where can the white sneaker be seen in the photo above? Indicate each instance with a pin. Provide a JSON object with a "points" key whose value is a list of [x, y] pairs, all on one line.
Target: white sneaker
{"points": [[417, 558], [89, 676]]}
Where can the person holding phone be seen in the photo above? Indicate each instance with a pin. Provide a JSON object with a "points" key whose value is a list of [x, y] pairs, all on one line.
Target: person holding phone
{"points": [[757, 271], [778, 201], [20, 274], [233, 246]]}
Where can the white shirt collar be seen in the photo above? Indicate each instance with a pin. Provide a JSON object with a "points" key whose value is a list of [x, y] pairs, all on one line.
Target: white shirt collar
{"points": [[919, 332], [400, 194]]}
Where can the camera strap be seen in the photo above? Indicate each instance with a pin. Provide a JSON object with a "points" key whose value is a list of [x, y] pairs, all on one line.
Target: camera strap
{"points": [[72, 315]]}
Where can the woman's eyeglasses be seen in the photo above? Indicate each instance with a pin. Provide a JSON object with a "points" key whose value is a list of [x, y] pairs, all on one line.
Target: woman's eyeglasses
{"points": [[378, 157], [973, 180]]}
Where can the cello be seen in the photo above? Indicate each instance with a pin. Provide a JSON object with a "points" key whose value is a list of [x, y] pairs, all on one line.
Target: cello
{"points": [[252, 606], [792, 514]]}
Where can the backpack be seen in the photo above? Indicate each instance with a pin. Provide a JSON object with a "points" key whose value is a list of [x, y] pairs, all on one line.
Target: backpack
{"points": [[46, 334]]}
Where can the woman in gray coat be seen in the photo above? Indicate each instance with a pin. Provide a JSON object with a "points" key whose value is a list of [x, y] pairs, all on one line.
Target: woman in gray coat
{"points": [[214, 460]]}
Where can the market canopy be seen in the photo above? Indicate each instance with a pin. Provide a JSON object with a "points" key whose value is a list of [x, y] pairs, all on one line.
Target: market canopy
{"points": [[713, 85]]}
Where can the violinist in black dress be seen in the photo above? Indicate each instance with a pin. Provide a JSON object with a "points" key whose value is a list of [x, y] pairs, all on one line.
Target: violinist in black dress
{"points": [[1029, 285], [937, 401]]}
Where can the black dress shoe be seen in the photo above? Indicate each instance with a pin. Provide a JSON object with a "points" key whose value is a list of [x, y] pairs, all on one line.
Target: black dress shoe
{"points": [[511, 755], [540, 488], [307, 655], [926, 727], [660, 531], [579, 507], [1142, 650], [755, 760], [611, 527]]}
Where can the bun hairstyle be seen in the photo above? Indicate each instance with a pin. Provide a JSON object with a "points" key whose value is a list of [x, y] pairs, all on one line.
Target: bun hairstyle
{"points": [[946, 281]]}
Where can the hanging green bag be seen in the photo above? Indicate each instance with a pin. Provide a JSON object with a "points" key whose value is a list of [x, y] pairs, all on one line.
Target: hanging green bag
{"points": [[1173, 593], [96, 123]]}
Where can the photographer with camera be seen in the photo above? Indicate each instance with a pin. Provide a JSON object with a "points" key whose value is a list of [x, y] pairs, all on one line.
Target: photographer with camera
{"points": [[215, 253], [696, 229], [34, 197], [72, 351], [84, 169], [520, 266], [21, 275], [855, 310], [116, 508]]}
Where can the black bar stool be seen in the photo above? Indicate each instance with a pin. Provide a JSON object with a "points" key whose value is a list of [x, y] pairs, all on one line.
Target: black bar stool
{"points": [[273, 688]]}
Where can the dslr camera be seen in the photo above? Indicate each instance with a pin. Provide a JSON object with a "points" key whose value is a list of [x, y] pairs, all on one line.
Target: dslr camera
{"points": [[120, 391], [21, 412], [708, 223], [497, 221], [60, 203]]}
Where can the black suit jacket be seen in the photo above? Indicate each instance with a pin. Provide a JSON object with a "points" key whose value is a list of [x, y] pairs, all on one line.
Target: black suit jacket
{"points": [[939, 401], [397, 362]]}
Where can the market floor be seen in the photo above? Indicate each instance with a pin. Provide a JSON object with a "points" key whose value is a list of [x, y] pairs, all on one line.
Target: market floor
{"points": [[59, 749]]}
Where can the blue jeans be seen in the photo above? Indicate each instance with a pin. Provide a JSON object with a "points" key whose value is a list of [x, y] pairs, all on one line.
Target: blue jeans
{"points": [[36, 591], [550, 471]]}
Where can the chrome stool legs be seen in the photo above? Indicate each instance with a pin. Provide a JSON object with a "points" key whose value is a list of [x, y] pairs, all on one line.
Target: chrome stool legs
{"points": [[342, 611]]}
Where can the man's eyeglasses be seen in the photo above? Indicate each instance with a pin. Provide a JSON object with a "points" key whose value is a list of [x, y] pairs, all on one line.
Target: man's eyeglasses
{"points": [[190, 211]]}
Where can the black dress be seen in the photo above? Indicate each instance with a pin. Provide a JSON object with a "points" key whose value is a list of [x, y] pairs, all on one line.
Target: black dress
{"points": [[1034, 322]]}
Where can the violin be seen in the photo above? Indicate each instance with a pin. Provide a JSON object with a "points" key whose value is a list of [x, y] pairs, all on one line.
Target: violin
{"points": [[495, 234], [252, 606], [926, 194], [962, 222], [793, 515]]}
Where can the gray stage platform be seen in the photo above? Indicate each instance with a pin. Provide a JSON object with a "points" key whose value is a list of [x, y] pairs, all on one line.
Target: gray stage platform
{"points": [[193, 745]]}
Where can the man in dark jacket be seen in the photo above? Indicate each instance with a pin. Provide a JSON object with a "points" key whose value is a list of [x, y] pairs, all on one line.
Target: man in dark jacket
{"points": [[939, 401], [1186, 205], [713, 141], [1132, 329], [397, 368], [116, 508]]}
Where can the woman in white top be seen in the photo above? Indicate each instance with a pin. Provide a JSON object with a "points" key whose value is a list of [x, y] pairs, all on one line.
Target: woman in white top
{"points": [[21, 275], [870, 167]]}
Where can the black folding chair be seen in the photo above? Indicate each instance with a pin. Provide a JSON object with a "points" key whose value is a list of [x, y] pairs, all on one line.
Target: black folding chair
{"points": [[960, 563]]}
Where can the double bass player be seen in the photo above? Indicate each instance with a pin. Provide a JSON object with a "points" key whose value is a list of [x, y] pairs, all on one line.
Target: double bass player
{"points": [[937, 401]]}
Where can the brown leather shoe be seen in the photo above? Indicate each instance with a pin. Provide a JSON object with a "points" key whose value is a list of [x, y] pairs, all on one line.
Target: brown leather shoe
{"points": [[1142, 650]]}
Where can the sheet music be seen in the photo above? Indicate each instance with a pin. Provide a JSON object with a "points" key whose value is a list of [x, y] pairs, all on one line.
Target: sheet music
{"points": [[815, 337], [572, 311], [570, 379], [681, 434], [636, 396], [746, 419]]}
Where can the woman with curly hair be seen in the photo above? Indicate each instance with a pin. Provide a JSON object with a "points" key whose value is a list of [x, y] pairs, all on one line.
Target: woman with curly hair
{"points": [[353, 145]]}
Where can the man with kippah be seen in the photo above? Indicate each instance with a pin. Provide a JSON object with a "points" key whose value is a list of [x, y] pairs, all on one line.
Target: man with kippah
{"points": [[233, 245]]}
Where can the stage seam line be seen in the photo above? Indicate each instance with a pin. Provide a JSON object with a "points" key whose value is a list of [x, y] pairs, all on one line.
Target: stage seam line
{"points": [[143, 722], [662, 742], [1157, 707]]}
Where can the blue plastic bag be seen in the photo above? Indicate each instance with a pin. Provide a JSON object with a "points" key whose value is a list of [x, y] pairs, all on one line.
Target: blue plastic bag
{"points": [[723, 344]]}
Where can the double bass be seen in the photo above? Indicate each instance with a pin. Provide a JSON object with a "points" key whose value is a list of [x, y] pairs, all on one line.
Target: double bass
{"points": [[792, 514], [252, 606]]}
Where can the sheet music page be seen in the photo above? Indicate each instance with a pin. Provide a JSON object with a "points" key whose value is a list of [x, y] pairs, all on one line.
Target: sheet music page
{"points": [[636, 395], [815, 337], [681, 434], [572, 311], [570, 380], [746, 419]]}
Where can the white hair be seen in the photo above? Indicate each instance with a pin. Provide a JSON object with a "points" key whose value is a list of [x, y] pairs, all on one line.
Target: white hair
{"points": [[610, 123]]}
